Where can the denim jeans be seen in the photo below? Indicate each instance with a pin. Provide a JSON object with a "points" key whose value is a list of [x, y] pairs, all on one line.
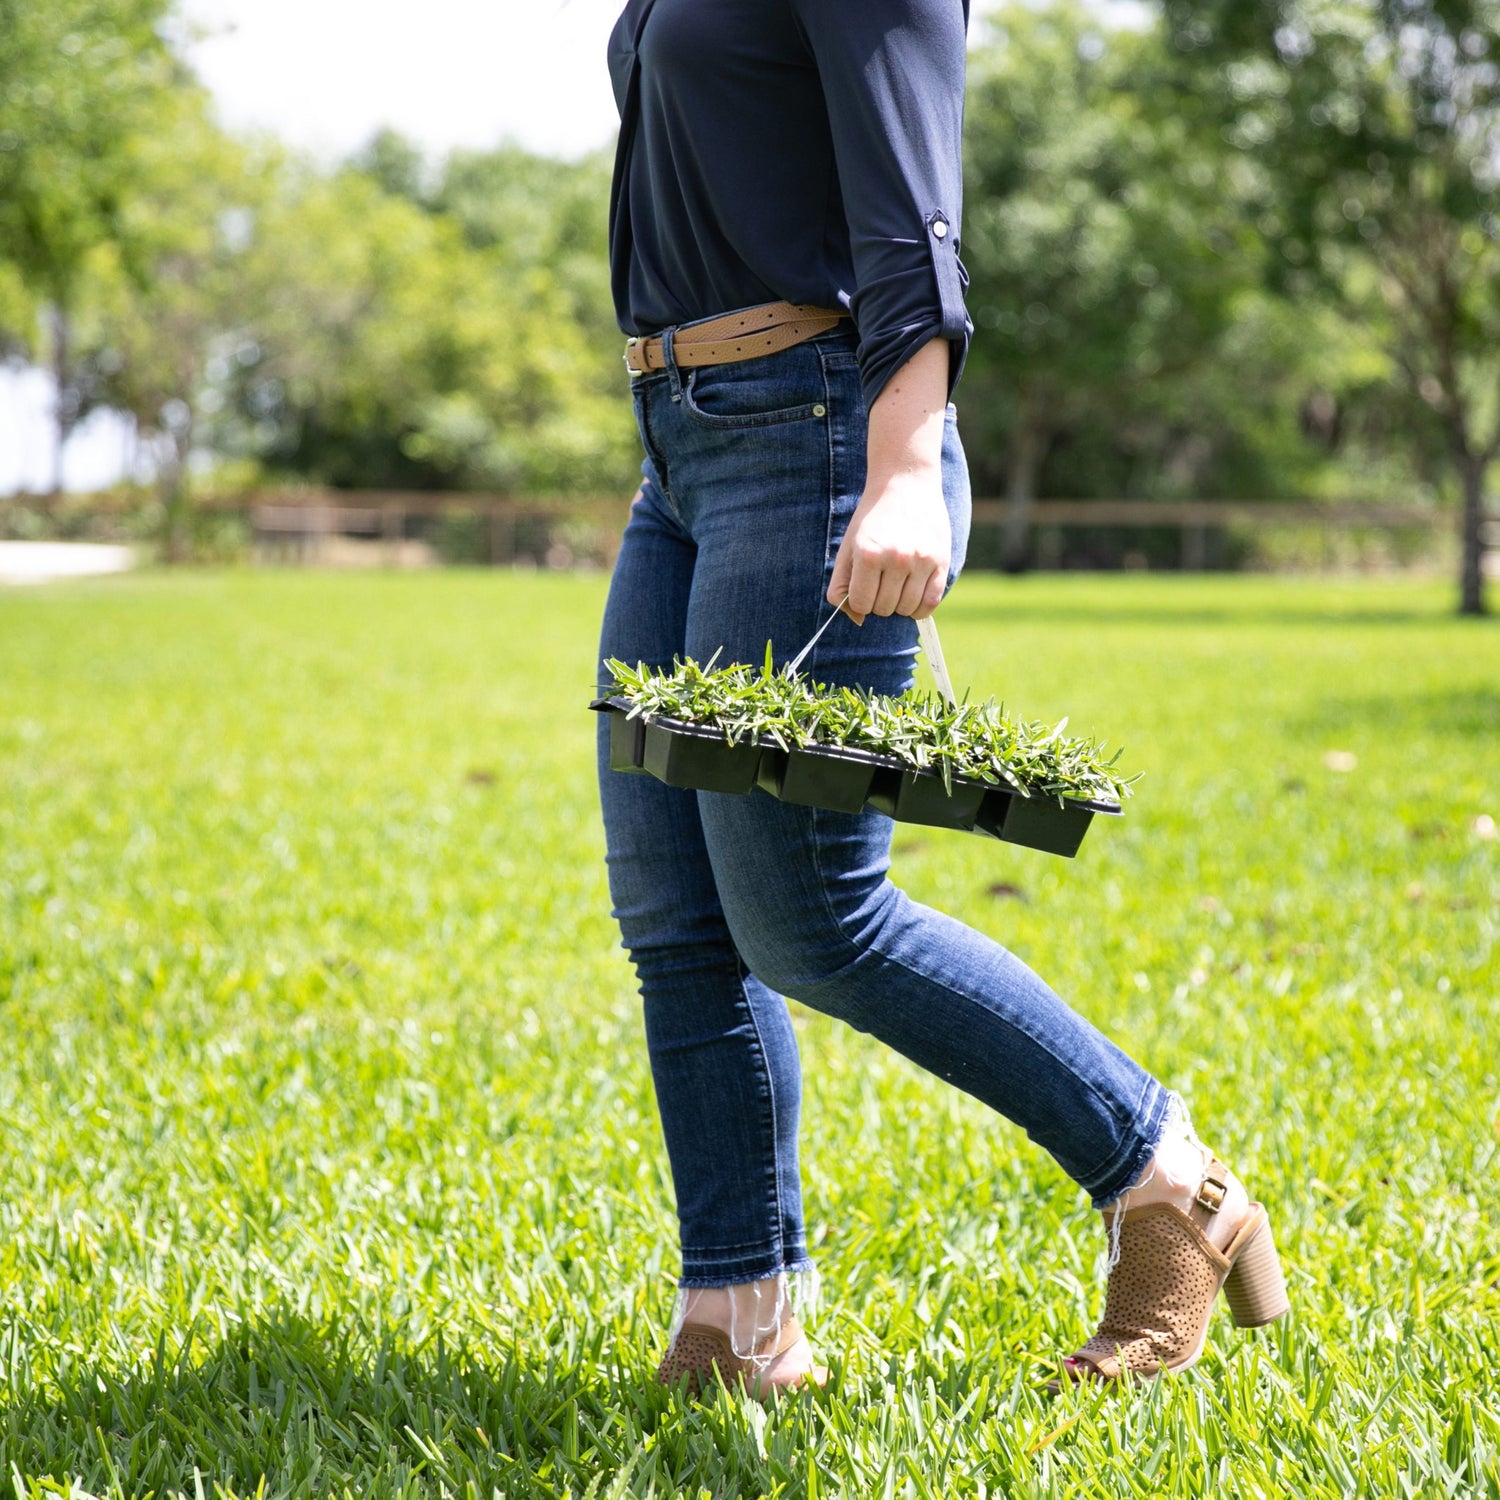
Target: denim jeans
{"points": [[752, 471]]}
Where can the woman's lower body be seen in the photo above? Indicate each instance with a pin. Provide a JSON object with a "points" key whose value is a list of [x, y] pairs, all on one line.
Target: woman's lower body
{"points": [[726, 904]]}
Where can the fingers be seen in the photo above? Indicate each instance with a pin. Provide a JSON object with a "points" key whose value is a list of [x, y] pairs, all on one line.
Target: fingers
{"points": [[888, 594], [864, 584], [839, 587], [915, 589], [932, 595]]}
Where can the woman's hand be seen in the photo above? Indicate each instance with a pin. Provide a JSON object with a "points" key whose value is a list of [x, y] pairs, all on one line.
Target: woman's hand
{"points": [[895, 556]]}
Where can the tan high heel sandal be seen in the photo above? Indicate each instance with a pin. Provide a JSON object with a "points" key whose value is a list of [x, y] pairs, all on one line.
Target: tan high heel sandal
{"points": [[700, 1349], [1163, 1284]]}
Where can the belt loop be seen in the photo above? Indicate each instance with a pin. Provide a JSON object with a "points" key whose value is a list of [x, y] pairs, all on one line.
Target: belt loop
{"points": [[674, 375]]}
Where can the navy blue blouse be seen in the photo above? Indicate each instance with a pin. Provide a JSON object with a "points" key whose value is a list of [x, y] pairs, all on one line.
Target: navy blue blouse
{"points": [[806, 150]]}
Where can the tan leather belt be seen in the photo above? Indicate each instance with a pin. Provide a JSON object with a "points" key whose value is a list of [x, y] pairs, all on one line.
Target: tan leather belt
{"points": [[743, 334]]}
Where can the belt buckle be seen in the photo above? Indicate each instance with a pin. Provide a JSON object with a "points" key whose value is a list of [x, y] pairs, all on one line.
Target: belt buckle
{"points": [[630, 344]]}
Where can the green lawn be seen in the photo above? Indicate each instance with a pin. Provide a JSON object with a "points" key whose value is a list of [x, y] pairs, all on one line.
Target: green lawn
{"points": [[328, 1158]]}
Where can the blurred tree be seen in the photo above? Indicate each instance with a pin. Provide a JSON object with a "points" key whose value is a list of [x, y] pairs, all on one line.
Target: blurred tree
{"points": [[396, 163], [534, 211], [1104, 266], [391, 352], [157, 317], [80, 82], [546, 220], [1369, 131], [19, 314]]}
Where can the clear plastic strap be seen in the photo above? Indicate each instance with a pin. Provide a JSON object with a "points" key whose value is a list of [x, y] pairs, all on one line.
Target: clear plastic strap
{"points": [[801, 656]]}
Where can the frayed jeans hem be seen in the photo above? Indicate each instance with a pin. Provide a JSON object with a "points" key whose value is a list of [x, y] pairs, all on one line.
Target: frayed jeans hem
{"points": [[738, 1272], [1130, 1161]]}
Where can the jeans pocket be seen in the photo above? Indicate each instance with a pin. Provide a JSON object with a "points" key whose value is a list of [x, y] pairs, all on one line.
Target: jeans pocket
{"points": [[739, 395]]}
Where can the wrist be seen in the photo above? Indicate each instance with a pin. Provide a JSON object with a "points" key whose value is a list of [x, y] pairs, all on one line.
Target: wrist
{"points": [[920, 476]]}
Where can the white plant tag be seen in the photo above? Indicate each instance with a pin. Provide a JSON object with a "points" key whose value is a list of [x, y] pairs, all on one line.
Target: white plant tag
{"points": [[927, 634]]}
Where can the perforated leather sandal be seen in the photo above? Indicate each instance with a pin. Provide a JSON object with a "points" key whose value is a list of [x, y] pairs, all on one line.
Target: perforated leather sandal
{"points": [[700, 1350], [1163, 1284]]}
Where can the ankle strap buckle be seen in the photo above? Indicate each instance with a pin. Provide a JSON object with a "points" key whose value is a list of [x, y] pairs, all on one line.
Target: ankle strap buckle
{"points": [[1212, 1189]]}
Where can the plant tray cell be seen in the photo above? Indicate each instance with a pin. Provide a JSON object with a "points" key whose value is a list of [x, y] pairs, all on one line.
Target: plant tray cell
{"points": [[836, 779], [627, 736], [921, 797], [627, 745], [1039, 822], [684, 755]]}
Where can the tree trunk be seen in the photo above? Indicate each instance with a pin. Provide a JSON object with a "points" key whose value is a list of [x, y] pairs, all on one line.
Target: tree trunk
{"points": [[62, 413], [1471, 563], [176, 500], [1028, 445]]}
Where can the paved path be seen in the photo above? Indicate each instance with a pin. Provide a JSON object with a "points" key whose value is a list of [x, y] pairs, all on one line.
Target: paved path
{"points": [[41, 562]]}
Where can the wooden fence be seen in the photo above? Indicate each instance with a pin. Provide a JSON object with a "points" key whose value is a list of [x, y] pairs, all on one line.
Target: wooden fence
{"points": [[1199, 521], [391, 527], [298, 523]]}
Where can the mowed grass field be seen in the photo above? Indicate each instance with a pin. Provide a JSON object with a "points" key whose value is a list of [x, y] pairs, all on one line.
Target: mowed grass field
{"points": [[328, 1156]]}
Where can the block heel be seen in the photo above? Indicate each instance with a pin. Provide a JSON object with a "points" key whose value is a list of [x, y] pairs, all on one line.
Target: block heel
{"points": [[1255, 1288]]}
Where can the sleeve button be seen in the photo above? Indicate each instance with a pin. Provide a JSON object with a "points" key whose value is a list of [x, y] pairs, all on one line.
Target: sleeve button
{"points": [[940, 229]]}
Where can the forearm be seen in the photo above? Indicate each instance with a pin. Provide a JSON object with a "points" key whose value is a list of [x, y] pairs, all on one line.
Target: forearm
{"points": [[906, 421]]}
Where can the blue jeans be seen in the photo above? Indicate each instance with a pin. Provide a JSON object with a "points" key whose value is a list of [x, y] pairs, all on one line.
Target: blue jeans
{"points": [[752, 472]]}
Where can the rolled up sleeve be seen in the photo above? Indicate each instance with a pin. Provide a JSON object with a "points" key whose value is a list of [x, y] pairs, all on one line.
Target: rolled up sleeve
{"points": [[892, 73]]}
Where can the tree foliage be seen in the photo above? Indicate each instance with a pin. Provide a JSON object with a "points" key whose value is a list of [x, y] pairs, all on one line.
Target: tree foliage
{"points": [[1126, 343], [165, 301], [390, 345], [1103, 265], [1368, 133], [80, 82]]}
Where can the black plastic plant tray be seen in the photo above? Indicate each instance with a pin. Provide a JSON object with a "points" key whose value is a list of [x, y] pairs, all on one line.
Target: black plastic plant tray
{"points": [[693, 757], [627, 736], [1039, 822], [698, 757], [687, 755], [921, 797], [821, 776], [627, 744]]}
